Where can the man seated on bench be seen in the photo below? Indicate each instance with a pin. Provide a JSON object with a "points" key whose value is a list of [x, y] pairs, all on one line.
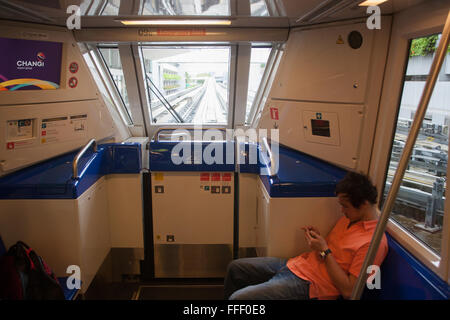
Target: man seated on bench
{"points": [[332, 266]]}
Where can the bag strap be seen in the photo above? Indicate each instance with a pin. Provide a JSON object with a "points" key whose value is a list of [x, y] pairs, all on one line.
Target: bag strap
{"points": [[21, 249], [23, 244]]}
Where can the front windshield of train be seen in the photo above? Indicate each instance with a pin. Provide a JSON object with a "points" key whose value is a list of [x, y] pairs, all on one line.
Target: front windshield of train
{"points": [[187, 84]]}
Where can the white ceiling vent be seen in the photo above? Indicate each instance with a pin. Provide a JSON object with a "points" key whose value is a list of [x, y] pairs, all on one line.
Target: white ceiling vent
{"points": [[54, 4], [326, 9]]}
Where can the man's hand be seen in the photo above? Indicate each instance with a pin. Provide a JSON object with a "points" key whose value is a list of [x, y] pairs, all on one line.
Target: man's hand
{"points": [[309, 228], [315, 241]]}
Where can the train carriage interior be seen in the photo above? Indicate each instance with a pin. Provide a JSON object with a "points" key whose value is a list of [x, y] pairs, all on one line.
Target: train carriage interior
{"points": [[146, 144]]}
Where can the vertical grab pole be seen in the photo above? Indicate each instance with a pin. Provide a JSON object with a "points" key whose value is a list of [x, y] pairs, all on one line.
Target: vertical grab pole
{"points": [[398, 177]]}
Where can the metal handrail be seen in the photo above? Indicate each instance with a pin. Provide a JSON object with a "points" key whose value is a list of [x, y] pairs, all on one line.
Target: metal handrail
{"points": [[79, 155], [403, 163], [271, 157]]}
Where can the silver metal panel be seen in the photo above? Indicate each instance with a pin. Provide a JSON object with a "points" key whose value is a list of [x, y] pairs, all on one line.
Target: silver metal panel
{"points": [[126, 263], [261, 251], [121, 265], [192, 260], [245, 252]]}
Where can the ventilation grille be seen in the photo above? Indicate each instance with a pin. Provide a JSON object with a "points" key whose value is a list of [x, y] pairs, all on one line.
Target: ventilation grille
{"points": [[54, 4], [326, 9]]}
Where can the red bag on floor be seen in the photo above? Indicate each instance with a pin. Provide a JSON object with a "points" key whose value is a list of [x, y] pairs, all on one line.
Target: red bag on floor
{"points": [[25, 275]]}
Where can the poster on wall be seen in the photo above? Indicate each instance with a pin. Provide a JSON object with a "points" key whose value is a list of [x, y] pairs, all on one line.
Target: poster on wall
{"points": [[29, 64]]}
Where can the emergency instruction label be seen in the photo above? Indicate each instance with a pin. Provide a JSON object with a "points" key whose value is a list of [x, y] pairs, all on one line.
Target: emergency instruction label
{"points": [[20, 134], [64, 128], [55, 130], [20, 129]]}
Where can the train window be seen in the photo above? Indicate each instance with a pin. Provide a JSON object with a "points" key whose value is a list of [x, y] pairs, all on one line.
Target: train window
{"points": [[255, 108], [419, 207], [186, 7], [106, 88], [187, 84], [112, 60], [258, 63], [258, 8], [111, 8]]}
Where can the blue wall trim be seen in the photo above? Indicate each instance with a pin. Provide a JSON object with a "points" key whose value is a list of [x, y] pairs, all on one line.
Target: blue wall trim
{"points": [[248, 157], [161, 156], [301, 175], [404, 277]]}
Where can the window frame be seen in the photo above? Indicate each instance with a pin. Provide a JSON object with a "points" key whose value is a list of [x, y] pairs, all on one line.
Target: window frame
{"points": [[103, 72], [274, 64], [404, 29], [154, 127], [107, 75], [103, 6], [265, 84]]}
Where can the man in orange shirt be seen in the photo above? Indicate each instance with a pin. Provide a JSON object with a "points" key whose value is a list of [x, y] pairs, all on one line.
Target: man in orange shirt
{"points": [[332, 266]]}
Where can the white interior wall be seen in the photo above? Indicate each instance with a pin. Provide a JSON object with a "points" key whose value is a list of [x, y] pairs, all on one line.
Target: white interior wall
{"points": [[125, 210], [327, 76], [85, 98]]}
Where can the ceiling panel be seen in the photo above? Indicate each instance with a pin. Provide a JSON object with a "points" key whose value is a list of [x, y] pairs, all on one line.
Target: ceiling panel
{"points": [[54, 11]]}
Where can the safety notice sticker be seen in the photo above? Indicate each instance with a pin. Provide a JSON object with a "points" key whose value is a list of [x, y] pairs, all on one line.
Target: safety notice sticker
{"points": [[73, 82], [73, 67], [274, 113], [54, 130], [19, 144], [204, 181], [79, 122], [64, 128]]}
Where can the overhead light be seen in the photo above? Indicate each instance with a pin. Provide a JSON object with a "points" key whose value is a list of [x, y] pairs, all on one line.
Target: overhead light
{"points": [[175, 22], [370, 3]]}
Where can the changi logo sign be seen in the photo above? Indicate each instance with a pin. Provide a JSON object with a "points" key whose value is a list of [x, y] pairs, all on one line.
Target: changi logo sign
{"points": [[28, 65], [41, 56]]}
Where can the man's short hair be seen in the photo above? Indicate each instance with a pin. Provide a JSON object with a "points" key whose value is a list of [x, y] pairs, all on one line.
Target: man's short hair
{"points": [[358, 188]]}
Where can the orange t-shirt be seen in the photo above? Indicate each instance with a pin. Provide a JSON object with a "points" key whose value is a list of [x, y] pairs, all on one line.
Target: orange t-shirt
{"points": [[348, 247]]}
